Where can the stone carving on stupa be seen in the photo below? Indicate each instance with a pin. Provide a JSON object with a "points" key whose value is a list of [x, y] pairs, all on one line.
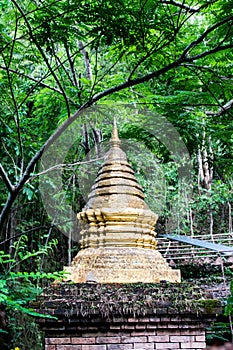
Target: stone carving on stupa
{"points": [[118, 242]]}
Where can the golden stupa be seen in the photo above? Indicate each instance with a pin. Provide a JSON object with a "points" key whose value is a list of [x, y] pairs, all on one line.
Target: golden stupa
{"points": [[118, 241]]}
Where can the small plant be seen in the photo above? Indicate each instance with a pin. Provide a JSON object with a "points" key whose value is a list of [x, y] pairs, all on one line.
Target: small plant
{"points": [[17, 290], [218, 331]]}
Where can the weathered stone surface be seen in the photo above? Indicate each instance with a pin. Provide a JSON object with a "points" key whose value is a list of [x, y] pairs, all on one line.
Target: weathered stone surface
{"points": [[121, 265]]}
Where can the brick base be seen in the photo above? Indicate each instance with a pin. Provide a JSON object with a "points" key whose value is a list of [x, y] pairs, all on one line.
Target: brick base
{"points": [[133, 333], [106, 317]]}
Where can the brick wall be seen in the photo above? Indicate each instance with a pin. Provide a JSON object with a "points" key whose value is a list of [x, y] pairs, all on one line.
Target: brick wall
{"points": [[133, 333], [106, 317]]}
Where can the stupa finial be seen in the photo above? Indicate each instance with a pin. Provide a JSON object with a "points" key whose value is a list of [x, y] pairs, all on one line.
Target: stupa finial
{"points": [[115, 141]]}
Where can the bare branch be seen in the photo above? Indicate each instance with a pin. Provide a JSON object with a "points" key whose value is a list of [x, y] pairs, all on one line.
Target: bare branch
{"points": [[207, 88], [10, 156], [39, 82], [71, 62], [223, 109], [16, 109], [60, 64], [23, 36], [110, 68], [65, 165], [181, 5], [158, 42], [86, 59], [6, 179], [31, 230], [192, 45]]}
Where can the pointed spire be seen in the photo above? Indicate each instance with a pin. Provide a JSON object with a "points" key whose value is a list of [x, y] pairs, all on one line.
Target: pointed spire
{"points": [[115, 141]]}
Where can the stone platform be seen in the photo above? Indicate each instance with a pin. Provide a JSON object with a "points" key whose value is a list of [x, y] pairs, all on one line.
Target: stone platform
{"points": [[121, 265]]}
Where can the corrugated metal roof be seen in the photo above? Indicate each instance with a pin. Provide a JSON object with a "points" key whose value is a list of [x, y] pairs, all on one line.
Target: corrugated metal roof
{"points": [[220, 248]]}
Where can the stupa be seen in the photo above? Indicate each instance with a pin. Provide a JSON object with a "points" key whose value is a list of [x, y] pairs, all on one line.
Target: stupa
{"points": [[118, 241]]}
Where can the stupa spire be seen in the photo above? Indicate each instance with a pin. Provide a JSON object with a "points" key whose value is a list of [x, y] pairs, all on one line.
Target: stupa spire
{"points": [[115, 141]]}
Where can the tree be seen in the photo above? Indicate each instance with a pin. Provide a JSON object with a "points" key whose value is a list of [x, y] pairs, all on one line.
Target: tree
{"points": [[60, 57]]}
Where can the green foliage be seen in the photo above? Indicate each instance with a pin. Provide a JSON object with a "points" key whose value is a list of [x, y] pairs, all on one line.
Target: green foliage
{"points": [[218, 331], [54, 57], [20, 288], [25, 332], [53, 81]]}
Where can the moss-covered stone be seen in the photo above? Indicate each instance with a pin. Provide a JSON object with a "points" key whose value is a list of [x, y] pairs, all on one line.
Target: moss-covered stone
{"points": [[107, 300], [210, 306]]}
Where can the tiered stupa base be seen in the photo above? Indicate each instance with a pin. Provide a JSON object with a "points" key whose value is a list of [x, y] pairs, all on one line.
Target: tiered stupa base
{"points": [[121, 265]]}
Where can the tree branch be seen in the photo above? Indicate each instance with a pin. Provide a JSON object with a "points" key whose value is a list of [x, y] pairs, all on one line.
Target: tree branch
{"points": [[192, 45], [181, 5], [6, 179], [39, 82], [204, 35], [86, 59], [208, 68], [65, 165], [223, 109], [208, 52], [10, 156], [208, 89], [158, 42], [61, 65], [129, 83], [16, 109], [31, 230], [71, 62]]}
